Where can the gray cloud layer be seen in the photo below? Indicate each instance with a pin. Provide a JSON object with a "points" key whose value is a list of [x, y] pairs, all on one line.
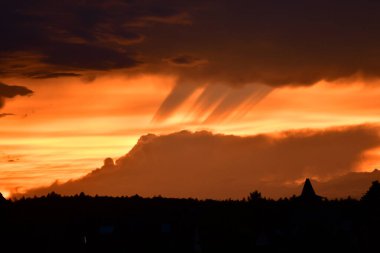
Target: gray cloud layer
{"points": [[204, 165]]}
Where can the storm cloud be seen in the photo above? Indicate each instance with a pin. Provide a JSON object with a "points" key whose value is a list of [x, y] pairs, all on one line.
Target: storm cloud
{"points": [[206, 165], [236, 42], [232, 43]]}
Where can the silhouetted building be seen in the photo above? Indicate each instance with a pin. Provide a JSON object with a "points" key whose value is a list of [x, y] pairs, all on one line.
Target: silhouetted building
{"points": [[308, 193]]}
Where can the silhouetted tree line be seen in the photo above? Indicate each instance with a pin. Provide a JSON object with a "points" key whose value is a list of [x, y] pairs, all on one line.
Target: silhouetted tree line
{"points": [[82, 223]]}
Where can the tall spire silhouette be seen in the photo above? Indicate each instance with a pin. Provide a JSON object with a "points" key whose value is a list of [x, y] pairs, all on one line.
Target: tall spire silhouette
{"points": [[308, 193], [308, 190]]}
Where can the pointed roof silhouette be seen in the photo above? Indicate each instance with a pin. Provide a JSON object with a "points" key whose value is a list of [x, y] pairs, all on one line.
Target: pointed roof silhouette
{"points": [[308, 192]]}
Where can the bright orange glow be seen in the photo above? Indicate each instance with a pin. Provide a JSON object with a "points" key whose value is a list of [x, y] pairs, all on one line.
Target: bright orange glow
{"points": [[66, 130]]}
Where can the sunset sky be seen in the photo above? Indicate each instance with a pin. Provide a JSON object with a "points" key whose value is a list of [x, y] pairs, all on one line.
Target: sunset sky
{"points": [[81, 81]]}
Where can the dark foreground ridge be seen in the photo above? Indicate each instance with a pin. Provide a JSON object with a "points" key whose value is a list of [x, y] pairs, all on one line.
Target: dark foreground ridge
{"points": [[308, 223]]}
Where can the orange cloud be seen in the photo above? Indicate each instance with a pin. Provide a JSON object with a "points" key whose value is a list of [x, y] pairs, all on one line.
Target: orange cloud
{"points": [[77, 124], [201, 164]]}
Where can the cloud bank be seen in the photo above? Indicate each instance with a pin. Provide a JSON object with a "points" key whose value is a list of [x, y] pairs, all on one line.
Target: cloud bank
{"points": [[233, 43], [206, 165]]}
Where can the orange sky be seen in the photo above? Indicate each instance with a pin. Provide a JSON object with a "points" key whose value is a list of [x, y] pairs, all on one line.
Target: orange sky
{"points": [[83, 80], [65, 131]]}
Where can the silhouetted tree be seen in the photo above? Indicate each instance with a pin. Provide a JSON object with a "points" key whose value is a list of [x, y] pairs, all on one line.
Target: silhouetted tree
{"points": [[255, 197], [373, 193], [2, 199], [53, 195]]}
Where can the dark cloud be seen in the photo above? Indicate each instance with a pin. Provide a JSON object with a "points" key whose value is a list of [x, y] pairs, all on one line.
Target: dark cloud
{"points": [[77, 36], [11, 91], [273, 42], [186, 61], [46, 75], [5, 114], [205, 165], [234, 43], [90, 57]]}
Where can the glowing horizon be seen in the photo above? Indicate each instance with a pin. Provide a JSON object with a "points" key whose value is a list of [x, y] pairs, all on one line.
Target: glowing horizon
{"points": [[56, 141], [82, 81]]}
